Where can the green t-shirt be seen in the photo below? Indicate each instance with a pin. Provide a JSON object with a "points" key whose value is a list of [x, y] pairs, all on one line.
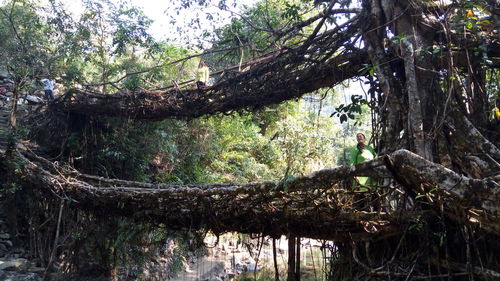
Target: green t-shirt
{"points": [[202, 74], [356, 156]]}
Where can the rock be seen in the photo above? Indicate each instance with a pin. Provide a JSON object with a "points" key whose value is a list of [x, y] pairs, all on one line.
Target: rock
{"points": [[14, 276], [36, 270], [22, 101], [33, 99], [7, 243], [4, 236], [14, 264], [3, 248]]}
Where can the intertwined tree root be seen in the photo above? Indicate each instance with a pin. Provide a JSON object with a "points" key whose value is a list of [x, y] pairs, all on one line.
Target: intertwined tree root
{"points": [[315, 206]]}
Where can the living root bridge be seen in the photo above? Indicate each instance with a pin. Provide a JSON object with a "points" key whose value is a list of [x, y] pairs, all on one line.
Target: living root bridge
{"points": [[276, 77], [233, 94], [312, 206]]}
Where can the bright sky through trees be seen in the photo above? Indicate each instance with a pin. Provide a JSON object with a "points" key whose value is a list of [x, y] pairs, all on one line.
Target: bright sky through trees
{"points": [[162, 12]]}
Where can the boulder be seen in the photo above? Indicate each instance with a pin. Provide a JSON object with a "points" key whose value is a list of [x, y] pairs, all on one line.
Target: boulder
{"points": [[33, 99], [14, 276], [3, 74], [14, 264], [39, 270]]}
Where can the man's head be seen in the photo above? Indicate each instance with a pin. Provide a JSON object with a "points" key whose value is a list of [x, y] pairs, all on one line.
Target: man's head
{"points": [[360, 137]]}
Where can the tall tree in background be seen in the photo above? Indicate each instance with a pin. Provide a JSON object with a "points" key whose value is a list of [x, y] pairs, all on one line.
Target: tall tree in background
{"points": [[430, 66], [25, 48], [432, 59]]}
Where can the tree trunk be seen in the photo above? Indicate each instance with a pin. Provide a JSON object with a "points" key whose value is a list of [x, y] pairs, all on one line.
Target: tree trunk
{"points": [[291, 258], [297, 259], [415, 120]]}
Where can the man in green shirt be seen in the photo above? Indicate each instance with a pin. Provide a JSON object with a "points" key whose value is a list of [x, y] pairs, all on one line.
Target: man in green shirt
{"points": [[202, 74], [362, 153]]}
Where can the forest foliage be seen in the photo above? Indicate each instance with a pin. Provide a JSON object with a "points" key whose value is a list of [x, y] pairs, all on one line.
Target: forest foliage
{"points": [[108, 49], [110, 42]]}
